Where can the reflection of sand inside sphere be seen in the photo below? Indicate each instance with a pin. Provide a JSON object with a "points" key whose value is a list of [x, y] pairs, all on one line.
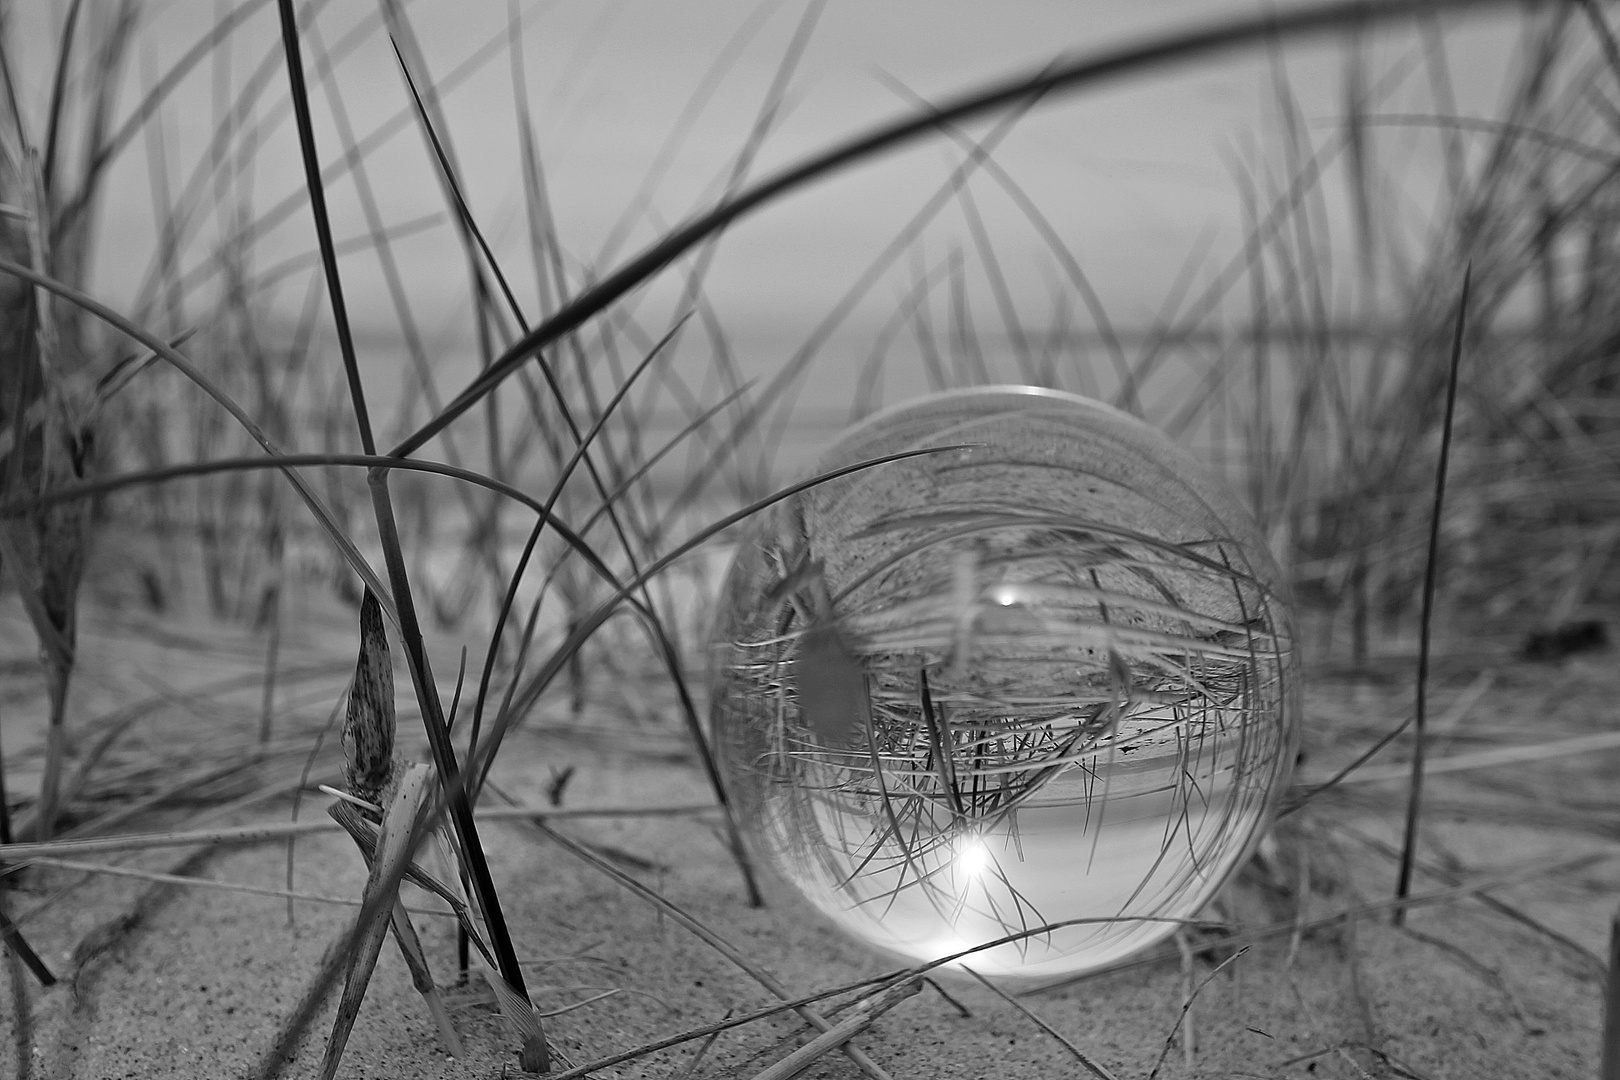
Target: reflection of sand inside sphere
{"points": [[1162, 839], [1067, 671]]}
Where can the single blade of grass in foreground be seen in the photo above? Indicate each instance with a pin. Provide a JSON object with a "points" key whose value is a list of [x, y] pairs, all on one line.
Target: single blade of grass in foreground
{"points": [[1414, 802], [469, 846]]}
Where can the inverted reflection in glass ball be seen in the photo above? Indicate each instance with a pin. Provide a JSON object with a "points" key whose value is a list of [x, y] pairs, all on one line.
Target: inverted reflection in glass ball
{"points": [[1046, 679]]}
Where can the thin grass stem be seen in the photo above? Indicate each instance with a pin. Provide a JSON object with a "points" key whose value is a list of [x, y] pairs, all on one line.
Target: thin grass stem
{"points": [[1414, 802]]}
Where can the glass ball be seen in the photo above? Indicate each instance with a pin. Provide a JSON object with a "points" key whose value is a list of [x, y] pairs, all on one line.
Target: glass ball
{"points": [[1041, 686]]}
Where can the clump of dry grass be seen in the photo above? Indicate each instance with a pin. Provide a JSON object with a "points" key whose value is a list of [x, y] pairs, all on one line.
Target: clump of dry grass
{"points": [[1344, 470], [1338, 475]]}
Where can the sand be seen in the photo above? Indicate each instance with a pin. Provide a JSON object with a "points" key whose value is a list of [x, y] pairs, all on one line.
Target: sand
{"points": [[165, 981]]}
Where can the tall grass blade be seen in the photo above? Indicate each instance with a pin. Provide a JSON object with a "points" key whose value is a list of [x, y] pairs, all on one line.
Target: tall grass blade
{"points": [[447, 172], [444, 754], [1414, 800], [59, 93], [323, 225]]}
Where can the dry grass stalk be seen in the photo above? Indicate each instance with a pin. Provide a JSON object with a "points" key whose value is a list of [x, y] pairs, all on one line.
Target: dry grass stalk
{"points": [[394, 849], [43, 549], [1487, 759], [697, 1058], [1185, 1018], [1488, 975], [374, 779], [712, 939], [159, 878], [410, 947], [1091, 1065], [521, 1014], [1293, 498], [711, 1031], [253, 834], [1578, 952], [1610, 1069], [1467, 890], [41, 447], [860, 1017], [1189, 1021]]}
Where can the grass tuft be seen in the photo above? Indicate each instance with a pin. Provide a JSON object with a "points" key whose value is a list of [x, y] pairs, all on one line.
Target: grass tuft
{"points": [[1463, 522]]}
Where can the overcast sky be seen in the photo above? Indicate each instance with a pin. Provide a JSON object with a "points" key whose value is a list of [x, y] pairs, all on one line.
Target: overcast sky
{"points": [[1133, 176]]}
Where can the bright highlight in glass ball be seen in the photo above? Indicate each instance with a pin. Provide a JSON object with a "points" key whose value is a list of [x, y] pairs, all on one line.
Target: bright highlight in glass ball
{"points": [[1041, 688]]}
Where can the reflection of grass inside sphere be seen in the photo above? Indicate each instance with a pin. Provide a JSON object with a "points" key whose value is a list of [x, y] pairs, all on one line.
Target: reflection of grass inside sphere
{"points": [[966, 695]]}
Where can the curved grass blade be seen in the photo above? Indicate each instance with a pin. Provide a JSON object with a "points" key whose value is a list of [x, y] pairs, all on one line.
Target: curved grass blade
{"points": [[1065, 76], [106, 485]]}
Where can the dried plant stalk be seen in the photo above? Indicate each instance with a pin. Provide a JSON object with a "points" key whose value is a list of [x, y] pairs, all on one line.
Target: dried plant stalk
{"points": [[394, 848], [860, 1018], [365, 837]]}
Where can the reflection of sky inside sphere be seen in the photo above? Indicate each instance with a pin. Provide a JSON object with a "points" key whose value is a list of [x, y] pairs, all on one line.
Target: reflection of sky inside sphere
{"points": [[1062, 674]]}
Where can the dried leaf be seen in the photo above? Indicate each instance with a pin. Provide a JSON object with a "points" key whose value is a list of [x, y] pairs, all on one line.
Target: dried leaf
{"points": [[368, 727]]}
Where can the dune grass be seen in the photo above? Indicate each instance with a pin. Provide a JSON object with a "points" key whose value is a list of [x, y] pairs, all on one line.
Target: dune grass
{"points": [[1330, 401]]}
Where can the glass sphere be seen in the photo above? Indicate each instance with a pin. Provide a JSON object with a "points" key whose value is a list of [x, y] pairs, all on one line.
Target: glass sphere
{"points": [[1044, 678]]}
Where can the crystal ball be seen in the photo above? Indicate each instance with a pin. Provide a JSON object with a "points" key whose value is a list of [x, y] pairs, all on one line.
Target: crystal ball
{"points": [[1039, 686]]}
